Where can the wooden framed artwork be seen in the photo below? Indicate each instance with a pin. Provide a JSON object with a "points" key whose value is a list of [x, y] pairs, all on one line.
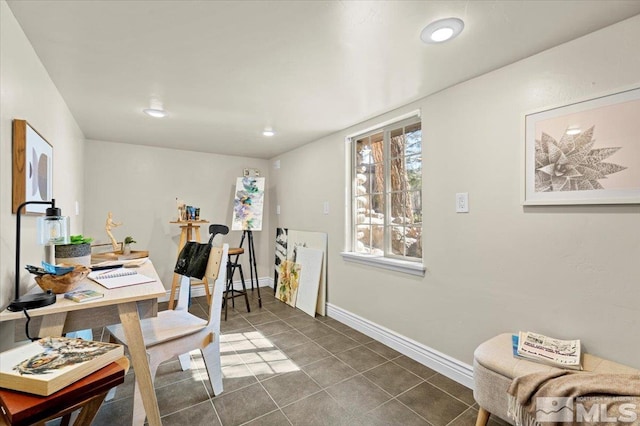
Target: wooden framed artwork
{"points": [[32, 168], [584, 153]]}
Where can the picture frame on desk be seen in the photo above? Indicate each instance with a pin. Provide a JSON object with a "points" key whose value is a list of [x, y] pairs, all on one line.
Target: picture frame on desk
{"points": [[584, 153], [32, 164]]}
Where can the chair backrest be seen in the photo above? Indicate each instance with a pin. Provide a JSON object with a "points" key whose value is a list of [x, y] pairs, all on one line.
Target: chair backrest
{"points": [[219, 257], [216, 229]]}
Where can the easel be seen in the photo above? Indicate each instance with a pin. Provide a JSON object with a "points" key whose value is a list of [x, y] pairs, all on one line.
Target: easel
{"points": [[252, 261], [187, 227]]}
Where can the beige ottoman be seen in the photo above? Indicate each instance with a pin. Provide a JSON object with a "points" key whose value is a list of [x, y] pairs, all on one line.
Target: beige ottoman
{"points": [[494, 367]]}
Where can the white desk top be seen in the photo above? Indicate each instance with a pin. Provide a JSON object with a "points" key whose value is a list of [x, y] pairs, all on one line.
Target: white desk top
{"points": [[133, 293]]}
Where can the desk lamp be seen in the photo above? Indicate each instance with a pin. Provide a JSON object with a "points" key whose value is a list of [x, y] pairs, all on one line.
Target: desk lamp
{"points": [[53, 228]]}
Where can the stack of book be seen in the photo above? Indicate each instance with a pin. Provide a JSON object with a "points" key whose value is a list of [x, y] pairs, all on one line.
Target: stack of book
{"points": [[547, 350], [52, 363]]}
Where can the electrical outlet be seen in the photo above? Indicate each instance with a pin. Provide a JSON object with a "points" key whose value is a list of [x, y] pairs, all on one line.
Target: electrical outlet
{"points": [[278, 209], [325, 207], [462, 202]]}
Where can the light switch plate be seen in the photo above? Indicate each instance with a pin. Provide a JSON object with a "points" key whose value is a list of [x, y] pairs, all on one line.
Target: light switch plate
{"points": [[462, 202]]}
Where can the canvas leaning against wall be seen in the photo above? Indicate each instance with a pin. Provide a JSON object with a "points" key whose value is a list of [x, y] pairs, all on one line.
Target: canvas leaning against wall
{"points": [[248, 205], [584, 153], [288, 271]]}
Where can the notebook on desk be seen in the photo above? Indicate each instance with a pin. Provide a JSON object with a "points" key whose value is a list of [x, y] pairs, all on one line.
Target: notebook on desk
{"points": [[120, 277]]}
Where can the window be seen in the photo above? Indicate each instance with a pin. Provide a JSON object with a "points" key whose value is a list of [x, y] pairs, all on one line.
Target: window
{"points": [[386, 195]]}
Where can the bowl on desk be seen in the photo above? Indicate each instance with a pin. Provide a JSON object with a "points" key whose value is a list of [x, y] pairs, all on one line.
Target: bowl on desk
{"points": [[63, 283]]}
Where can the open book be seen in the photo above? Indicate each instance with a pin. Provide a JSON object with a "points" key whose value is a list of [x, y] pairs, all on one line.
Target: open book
{"points": [[547, 350]]}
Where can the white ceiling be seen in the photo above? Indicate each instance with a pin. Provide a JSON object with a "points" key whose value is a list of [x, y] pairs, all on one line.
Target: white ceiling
{"points": [[225, 70]]}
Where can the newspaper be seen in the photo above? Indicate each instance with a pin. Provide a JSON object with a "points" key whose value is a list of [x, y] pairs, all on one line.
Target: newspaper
{"points": [[547, 350]]}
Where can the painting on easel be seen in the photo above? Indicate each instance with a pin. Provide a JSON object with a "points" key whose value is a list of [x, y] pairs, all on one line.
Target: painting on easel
{"points": [[248, 204]]}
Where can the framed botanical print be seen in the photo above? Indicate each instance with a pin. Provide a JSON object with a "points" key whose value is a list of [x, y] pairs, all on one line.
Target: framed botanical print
{"points": [[584, 153]]}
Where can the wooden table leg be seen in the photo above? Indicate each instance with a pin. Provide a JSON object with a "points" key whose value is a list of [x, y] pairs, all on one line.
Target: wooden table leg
{"points": [[131, 326], [52, 325], [176, 278]]}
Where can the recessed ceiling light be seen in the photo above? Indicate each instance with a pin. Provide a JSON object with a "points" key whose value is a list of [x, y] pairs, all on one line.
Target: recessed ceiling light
{"points": [[442, 30], [157, 113], [268, 132], [572, 131], [155, 109]]}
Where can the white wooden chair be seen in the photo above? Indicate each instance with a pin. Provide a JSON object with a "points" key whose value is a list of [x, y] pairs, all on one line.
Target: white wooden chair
{"points": [[174, 332]]}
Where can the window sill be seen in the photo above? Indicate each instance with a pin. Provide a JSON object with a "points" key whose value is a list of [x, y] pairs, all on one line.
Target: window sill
{"points": [[413, 268]]}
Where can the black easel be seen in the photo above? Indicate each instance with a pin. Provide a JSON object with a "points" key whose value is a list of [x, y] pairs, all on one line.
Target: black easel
{"points": [[252, 262]]}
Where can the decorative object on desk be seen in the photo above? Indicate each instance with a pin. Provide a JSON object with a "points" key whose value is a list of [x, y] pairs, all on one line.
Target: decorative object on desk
{"points": [[182, 214], [83, 295], [54, 269], [32, 168], [248, 204], [584, 153], [126, 248], [52, 228], [59, 284], [77, 252], [110, 224], [51, 363]]}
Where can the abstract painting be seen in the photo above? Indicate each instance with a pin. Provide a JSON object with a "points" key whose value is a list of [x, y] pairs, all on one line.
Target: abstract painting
{"points": [[314, 240], [281, 251], [248, 205], [32, 168], [288, 281], [584, 153]]}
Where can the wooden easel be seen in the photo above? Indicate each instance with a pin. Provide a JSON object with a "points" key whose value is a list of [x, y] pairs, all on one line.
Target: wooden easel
{"points": [[187, 228]]}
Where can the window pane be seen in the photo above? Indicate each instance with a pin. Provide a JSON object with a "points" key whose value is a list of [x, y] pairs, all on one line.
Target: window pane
{"points": [[363, 152], [413, 166], [397, 174], [362, 209], [377, 240], [400, 214], [377, 147], [413, 135], [377, 209], [397, 240], [376, 176], [397, 143], [363, 238], [413, 241], [414, 201]]}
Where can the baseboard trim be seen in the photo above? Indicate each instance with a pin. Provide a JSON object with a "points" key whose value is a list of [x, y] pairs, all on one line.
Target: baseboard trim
{"points": [[198, 290], [442, 363]]}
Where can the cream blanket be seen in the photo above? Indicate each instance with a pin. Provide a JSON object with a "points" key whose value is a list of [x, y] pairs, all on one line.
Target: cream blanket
{"points": [[573, 397]]}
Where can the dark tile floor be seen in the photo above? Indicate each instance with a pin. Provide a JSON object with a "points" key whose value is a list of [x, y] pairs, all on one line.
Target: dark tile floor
{"points": [[283, 367]]}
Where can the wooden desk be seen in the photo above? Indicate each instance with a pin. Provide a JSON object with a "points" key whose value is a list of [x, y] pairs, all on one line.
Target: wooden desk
{"points": [[121, 305], [187, 230]]}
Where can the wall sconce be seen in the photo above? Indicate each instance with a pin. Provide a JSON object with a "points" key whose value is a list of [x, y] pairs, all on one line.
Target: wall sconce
{"points": [[53, 228]]}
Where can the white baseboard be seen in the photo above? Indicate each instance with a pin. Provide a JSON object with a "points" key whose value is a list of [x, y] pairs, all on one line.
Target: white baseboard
{"points": [[198, 290], [443, 364]]}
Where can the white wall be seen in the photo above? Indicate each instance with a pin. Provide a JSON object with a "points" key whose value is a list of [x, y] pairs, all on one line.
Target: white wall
{"points": [[570, 272], [28, 93], [139, 184]]}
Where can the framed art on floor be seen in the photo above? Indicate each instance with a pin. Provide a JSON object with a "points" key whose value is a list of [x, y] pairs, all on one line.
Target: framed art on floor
{"points": [[584, 153]]}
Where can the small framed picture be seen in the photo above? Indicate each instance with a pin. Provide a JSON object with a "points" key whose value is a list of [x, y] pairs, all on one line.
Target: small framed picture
{"points": [[584, 153]]}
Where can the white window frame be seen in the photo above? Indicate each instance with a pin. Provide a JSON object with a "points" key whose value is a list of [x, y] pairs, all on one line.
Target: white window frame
{"points": [[388, 261]]}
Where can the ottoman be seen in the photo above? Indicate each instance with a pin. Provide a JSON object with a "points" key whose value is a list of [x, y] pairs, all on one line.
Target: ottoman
{"points": [[494, 367]]}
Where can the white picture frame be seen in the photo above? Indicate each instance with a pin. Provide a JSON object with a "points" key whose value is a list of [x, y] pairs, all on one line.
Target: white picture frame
{"points": [[584, 153]]}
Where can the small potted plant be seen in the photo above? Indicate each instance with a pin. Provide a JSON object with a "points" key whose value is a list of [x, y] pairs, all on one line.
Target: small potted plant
{"points": [[126, 249], [77, 252]]}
